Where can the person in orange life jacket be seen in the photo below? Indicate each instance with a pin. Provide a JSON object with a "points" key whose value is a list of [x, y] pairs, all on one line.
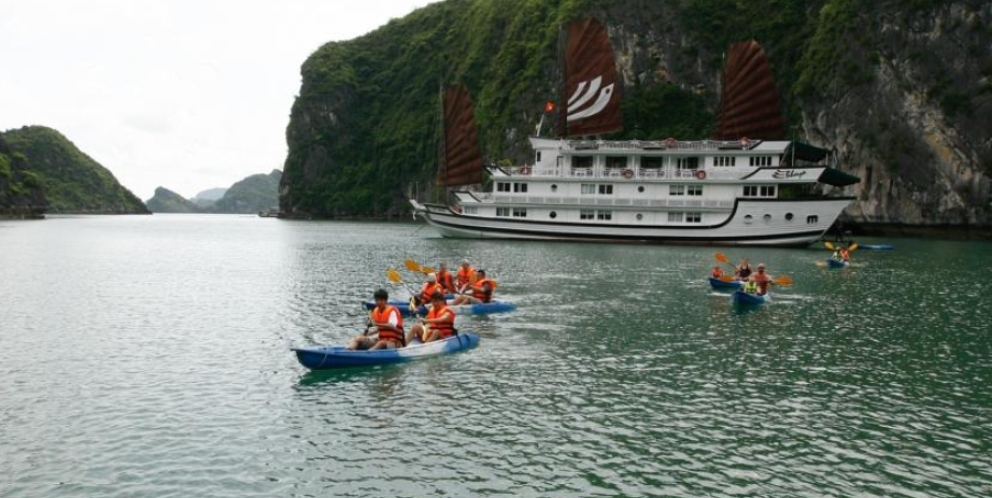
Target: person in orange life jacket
{"points": [[444, 278], [429, 288], [438, 324], [482, 291], [842, 254], [717, 272], [463, 279], [762, 279], [389, 324]]}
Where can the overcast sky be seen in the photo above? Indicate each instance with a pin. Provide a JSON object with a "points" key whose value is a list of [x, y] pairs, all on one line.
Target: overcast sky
{"points": [[184, 94]]}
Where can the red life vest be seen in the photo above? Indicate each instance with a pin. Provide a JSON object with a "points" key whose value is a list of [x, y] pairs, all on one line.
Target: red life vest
{"points": [[479, 290], [464, 276], [444, 278], [447, 327], [428, 291], [717, 272], [383, 317], [762, 279]]}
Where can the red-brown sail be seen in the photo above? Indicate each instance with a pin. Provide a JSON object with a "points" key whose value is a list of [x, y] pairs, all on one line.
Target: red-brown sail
{"points": [[461, 161], [750, 103], [590, 82]]}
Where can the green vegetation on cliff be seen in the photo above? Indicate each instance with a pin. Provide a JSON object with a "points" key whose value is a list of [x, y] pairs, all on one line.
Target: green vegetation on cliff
{"points": [[253, 194], [167, 201], [21, 193], [72, 181]]}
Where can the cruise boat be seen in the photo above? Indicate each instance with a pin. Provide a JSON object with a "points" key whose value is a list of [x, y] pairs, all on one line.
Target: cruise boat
{"points": [[727, 191]]}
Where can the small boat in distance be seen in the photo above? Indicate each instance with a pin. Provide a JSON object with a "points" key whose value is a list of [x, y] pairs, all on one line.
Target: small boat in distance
{"points": [[269, 213], [730, 190]]}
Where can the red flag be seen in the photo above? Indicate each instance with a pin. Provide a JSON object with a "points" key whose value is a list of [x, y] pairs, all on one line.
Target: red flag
{"points": [[549, 106]]}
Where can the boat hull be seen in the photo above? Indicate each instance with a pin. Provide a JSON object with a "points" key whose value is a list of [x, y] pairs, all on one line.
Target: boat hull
{"points": [[462, 309], [718, 284], [334, 357], [738, 228], [745, 299]]}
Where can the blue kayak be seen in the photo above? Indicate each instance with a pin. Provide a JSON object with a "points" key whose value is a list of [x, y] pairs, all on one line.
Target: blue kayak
{"points": [[835, 263], [461, 309], [741, 297], [330, 357], [718, 284], [877, 247]]}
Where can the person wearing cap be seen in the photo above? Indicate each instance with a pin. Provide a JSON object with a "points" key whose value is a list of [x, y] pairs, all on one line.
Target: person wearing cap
{"points": [[388, 322], [463, 279], [761, 279], [438, 324], [481, 291], [429, 288], [444, 278]]}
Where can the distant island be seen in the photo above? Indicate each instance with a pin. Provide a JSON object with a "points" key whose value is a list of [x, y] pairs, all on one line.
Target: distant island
{"points": [[41, 171], [254, 194]]}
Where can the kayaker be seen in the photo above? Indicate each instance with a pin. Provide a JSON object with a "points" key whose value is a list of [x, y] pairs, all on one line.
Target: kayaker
{"points": [[717, 272], [438, 324], [444, 278], [481, 291], [428, 289], [761, 279], [388, 322], [843, 254], [743, 270], [463, 279]]}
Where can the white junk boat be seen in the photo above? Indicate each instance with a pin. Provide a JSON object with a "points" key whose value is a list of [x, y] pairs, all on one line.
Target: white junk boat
{"points": [[722, 191]]}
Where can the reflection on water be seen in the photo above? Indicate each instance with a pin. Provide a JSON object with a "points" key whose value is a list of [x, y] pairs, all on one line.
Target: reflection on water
{"points": [[150, 356]]}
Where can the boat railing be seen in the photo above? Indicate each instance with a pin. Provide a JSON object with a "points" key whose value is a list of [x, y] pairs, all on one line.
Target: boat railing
{"points": [[667, 144], [669, 172], [605, 201]]}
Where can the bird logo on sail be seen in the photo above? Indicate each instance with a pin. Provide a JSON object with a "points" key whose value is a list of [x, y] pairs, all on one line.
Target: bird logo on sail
{"points": [[589, 99]]}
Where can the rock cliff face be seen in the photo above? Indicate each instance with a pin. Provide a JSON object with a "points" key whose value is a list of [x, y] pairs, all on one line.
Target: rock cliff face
{"points": [[167, 201], [900, 91]]}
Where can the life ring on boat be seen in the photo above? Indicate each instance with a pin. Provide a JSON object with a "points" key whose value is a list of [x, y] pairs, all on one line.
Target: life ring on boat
{"points": [[670, 142], [628, 173], [745, 142], [700, 175], [524, 170]]}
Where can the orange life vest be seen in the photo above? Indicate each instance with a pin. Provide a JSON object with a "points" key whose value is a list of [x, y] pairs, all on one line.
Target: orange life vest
{"points": [[428, 291], [717, 272], [464, 276], [479, 290], [383, 317], [447, 327], [444, 278]]}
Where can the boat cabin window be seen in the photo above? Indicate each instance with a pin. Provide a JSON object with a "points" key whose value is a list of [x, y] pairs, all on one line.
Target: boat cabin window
{"points": [[675, 217], [696, 190], [588, 188], [554, 188], [761, 161], [606, 189], [520, 187], [812, 220], [587, 214], [640, 188], [748, 219], [676, 190], [687, 163], [553, 215], [471, 210], [614, 162], [519, 212], [652, 162], [767, 218], [604, 215], [640, 216], [693, 217], [788, 216], [768, 191], [759, 191], [582, 162], [502, 187], [503, 211], [537, 157], [725, 161]]}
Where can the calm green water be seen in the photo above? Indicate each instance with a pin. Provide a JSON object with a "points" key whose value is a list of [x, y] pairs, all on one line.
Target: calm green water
{"points": [[149, 356]]}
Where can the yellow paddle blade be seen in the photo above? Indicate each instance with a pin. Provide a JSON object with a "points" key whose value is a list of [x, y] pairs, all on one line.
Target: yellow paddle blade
{"points": [[722, 257], [411, 265], [726, 278], [426, 269], [394, 276], [783, 280], [828, 245], [821, 262], [853, 246]]}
